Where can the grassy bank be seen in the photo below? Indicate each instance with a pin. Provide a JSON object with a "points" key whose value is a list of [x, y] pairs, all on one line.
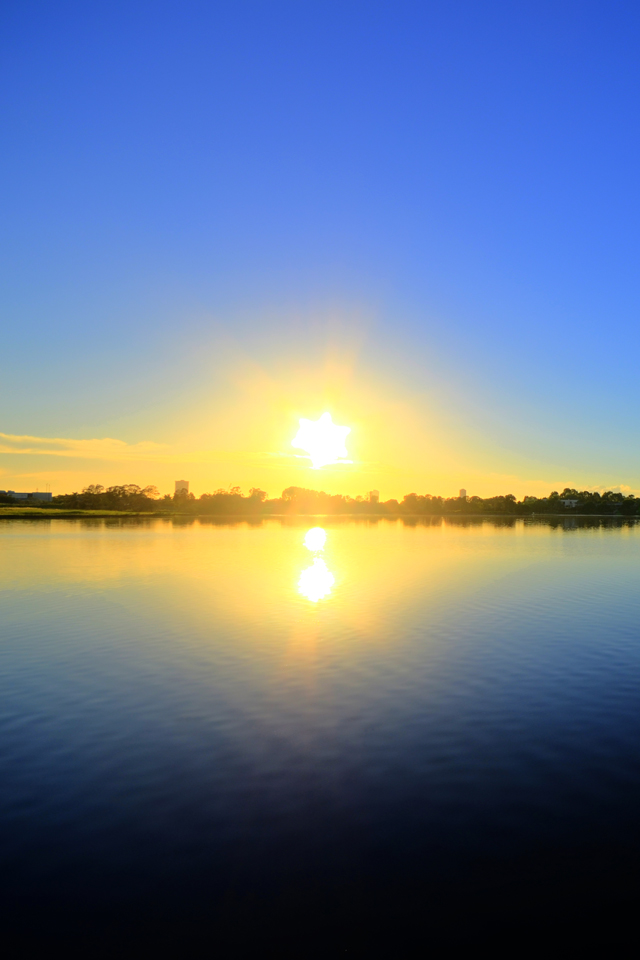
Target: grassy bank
{"points": [[35, 512]]}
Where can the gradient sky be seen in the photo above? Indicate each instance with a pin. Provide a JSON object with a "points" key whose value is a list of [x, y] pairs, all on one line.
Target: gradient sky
{"points": [[220, 217]]}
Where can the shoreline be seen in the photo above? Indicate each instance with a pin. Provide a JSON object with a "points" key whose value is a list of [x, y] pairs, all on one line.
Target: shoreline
{"points": [[37, 513]]}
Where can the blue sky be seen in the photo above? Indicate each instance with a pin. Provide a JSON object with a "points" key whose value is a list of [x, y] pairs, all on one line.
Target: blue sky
{"points": [[425, 211]]}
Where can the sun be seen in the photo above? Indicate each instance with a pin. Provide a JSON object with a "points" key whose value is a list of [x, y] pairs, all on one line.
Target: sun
{"points": [[323, 441]]}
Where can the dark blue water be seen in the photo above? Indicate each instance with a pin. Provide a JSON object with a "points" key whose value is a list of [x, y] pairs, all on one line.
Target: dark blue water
{"points": [[436, 728]]}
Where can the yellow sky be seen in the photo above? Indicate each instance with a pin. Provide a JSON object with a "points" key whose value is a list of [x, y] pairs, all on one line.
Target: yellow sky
{"points": [[67, 465], [234, 427]]}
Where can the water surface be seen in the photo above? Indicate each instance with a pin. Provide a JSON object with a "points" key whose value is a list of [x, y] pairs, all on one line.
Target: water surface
{"points": [[216, 725]]}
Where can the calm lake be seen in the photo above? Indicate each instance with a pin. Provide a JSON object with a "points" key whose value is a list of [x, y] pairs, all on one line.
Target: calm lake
{"points": [[249, 727]]}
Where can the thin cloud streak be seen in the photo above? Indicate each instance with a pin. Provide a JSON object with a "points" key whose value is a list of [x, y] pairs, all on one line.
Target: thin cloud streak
{"points": [[95, 449], [107, 448]]}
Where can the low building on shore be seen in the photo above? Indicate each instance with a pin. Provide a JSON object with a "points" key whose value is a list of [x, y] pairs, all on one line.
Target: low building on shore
{"points": [[35, 495]]}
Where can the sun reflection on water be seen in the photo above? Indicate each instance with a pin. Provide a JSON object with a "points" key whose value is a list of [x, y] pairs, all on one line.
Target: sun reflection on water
{"points": [[315, 539], [316, 581]]}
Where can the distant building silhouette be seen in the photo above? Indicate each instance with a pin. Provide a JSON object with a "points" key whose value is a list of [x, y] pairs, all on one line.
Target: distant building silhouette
{"points": [[463, 493], [182, 486], [36, 495], [374, 496]]}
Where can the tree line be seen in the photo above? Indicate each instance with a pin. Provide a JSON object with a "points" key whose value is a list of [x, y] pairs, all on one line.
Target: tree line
{"points": [[298, 500]]}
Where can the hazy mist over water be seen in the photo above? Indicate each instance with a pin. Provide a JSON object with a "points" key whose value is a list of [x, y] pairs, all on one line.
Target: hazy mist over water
{"points": [[199, 715]]}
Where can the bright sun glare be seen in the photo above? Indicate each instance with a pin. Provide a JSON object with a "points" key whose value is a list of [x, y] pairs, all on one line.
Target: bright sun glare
{"points": [[323, 441]]}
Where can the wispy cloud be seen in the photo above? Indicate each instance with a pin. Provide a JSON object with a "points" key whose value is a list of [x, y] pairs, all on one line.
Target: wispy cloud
{"points": [[96, 449], [614, 488], [108, 449]]}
